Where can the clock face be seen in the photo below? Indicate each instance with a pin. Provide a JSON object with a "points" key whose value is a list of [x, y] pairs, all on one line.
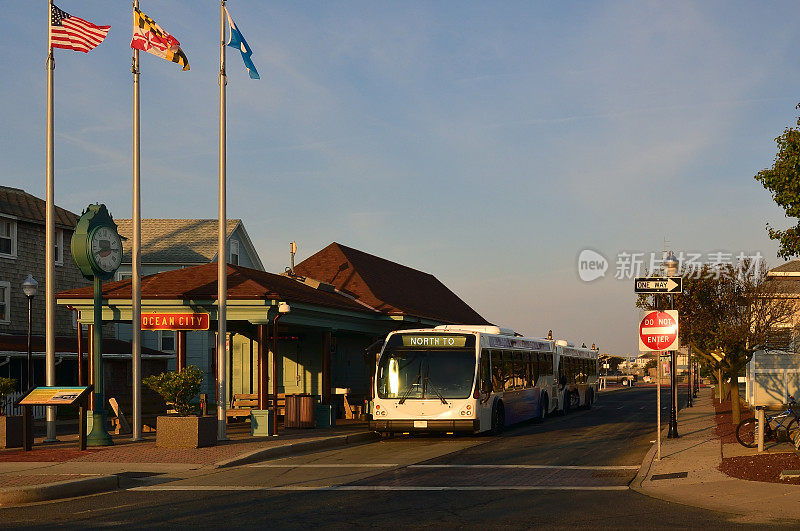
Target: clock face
{"points": [[106, 249]]}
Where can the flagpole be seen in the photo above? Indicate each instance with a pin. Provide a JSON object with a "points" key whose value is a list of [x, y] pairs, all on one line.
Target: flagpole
{"points": [[136, 259], [50, 237], [222, 256]]}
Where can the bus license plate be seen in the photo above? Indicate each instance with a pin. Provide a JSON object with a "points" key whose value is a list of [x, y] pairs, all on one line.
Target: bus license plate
{"points": [[420, 423]]}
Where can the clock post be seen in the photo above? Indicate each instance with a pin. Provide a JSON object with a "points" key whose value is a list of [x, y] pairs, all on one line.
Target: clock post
{"points": [[97, 251]]}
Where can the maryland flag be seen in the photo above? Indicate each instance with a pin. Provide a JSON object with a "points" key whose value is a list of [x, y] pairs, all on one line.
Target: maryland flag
{"points": [[151, 38]]}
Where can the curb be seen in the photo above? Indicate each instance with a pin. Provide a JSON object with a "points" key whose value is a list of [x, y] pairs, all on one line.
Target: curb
{"points": [[264, 454], [58, 490]]}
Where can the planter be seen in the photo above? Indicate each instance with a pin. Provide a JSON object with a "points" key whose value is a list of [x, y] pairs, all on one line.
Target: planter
{"points": [[11, 431], [186, 432]]}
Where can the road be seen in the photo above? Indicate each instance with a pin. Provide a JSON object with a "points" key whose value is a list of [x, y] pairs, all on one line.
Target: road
{"points": [[570, 471]]}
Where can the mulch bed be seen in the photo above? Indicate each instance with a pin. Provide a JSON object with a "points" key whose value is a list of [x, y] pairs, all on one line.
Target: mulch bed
{"points": [[725, 430], [760, 467]]}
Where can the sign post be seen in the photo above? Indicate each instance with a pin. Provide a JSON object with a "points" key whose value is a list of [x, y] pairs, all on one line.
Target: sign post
{"points": [[658, 331]]}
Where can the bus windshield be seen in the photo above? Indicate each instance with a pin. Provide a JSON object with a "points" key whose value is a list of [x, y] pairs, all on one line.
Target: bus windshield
{"points": [[430, 374]]}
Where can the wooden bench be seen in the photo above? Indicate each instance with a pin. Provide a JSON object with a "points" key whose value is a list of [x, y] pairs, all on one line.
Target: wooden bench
{"points": [[243, 403]]}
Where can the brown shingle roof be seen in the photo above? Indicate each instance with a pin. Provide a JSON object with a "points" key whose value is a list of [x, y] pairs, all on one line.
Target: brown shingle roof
{"points": [[23, 205], [788, 267], [200, 283], [387, 286], [174, 241]]}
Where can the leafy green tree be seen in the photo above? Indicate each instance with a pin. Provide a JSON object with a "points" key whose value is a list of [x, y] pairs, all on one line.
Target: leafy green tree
{"points": [[783, 182], [725, 314], [177, 388], [7, 386]]}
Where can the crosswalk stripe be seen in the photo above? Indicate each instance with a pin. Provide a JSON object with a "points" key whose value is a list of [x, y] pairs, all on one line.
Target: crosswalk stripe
{"points": [[323, 465], [550, 467], [368, 488]]}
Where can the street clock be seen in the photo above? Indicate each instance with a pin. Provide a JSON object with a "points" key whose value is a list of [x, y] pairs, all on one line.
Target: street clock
{"points": [[96, 244]]}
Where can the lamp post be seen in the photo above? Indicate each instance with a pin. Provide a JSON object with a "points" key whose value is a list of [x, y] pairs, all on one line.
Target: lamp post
{"points": [[29, 287], [671, 269]]}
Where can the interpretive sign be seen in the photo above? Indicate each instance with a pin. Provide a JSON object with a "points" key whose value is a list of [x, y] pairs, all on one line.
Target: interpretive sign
{"points": [[54, 396]]}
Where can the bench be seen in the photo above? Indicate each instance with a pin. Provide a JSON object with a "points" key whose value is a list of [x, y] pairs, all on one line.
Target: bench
{"points": [[243, 403]]}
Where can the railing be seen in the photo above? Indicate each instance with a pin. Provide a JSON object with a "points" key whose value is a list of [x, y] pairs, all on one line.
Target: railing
{"points": [[39, 412]]}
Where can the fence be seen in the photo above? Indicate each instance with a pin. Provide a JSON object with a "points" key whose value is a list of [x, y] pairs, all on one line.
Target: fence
{"points": [[9, 409]]}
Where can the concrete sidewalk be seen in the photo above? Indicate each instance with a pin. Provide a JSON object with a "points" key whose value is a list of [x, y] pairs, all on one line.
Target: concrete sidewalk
{"points": [[60, 470], [688, 472]]}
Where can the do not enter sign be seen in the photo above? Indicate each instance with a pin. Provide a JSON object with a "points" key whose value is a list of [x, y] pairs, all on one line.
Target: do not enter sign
{"points": [[658, 330]]}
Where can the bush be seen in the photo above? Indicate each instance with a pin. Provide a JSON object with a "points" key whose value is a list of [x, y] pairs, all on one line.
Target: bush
{"points": [[177, 388], [7, 386]]}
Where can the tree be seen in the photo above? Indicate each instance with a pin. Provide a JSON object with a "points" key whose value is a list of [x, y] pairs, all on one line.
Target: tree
{"points": [[727, 313], [782, 181]]}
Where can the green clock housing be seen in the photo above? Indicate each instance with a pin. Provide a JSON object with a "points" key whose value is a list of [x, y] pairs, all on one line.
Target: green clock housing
{"points": [[96, 244]]}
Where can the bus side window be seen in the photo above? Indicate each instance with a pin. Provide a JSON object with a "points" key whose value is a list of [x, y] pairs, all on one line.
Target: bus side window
{"points": [[528, 361], [520, 368], [486, 373], [497, 371], [508, 370], [535, 366]]}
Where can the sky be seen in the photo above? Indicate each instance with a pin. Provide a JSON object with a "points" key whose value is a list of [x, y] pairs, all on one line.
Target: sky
{"points": [[485, 143]]}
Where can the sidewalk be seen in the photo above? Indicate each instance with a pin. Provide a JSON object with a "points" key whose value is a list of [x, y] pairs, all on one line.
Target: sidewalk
{"points": [[689, 471], [60, 470]]}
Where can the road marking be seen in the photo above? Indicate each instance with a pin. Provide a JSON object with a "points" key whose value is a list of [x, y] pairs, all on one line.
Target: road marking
{"points": [[367, 488], [620, 407], [322, 465], [551, 467]]}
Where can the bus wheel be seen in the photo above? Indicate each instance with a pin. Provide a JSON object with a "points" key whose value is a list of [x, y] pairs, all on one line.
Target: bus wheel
{"points": [[498, 418], [574, 400], [544, 406]]}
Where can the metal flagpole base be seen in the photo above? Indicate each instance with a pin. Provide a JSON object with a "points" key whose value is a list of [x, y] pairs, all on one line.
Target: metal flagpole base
{"points": [[99, 436]]}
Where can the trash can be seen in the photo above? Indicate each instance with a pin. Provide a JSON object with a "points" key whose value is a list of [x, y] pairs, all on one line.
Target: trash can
{"points": [[300, 411]]}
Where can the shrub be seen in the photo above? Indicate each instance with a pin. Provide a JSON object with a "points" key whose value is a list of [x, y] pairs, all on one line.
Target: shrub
{"points": [[177, 388], [7, 386]]}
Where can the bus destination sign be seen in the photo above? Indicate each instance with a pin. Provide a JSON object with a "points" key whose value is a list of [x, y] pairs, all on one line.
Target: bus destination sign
{"points": [[434, 341]]}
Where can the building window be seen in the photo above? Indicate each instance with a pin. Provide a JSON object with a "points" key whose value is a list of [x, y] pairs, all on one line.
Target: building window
{"points": [[8, 238], [59, 250], [5, 302], [124, 276], [234, 252], [166, 341]]}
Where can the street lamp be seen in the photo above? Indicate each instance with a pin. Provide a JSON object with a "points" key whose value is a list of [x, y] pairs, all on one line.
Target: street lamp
{"points": [[29, 287], [671, 265]]}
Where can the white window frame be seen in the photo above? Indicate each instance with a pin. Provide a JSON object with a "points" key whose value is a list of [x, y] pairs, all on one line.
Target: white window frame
{"points": [[13, 225], [59, 257], [7, 301], [161, 341], [127, 275], [234, 245]]}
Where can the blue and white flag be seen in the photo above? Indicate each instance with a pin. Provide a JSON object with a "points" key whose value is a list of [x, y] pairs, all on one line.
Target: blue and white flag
{"points": [[236, 40]]}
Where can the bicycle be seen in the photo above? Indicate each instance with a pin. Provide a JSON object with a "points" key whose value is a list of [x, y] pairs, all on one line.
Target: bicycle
{"points": [[788, 419]]}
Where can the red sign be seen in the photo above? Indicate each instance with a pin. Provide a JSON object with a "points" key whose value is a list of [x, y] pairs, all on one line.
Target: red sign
{"points": [[175, 321], [658, 331]]}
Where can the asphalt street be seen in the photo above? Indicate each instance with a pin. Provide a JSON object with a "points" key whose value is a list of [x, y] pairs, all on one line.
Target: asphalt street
{"points": [[570, 471]]}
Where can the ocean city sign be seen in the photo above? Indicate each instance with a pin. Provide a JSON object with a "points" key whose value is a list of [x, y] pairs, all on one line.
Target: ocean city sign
{"points": [[175, 321]]}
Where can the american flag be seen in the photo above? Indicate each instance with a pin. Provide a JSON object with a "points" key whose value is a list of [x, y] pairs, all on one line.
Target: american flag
{"points": [[74, 33]]}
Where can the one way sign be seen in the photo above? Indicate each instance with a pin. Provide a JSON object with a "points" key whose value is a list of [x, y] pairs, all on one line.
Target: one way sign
{"points": [[658, 285]]}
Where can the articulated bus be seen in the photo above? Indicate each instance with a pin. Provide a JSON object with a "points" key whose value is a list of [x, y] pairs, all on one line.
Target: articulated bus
{"points": [[470, 379], [577, 375]]}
